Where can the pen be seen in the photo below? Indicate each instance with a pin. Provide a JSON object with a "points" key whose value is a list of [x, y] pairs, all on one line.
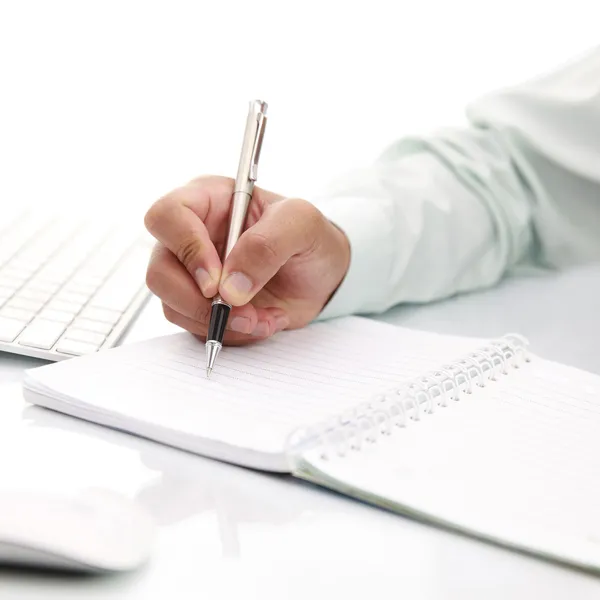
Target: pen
{"points": [[242, 194]]}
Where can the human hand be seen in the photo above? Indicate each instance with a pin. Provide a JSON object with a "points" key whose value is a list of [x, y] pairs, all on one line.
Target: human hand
{"points": [[280, 274]]}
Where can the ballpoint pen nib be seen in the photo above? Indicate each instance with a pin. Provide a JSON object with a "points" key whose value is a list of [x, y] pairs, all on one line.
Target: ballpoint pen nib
{"points": [[212, 350]]}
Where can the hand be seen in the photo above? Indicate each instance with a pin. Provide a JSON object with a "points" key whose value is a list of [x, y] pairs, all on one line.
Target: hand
{"points": [[280, 274]]}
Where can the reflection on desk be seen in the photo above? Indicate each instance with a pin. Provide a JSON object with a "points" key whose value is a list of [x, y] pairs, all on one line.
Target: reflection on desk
{"points": [[178, 485]]}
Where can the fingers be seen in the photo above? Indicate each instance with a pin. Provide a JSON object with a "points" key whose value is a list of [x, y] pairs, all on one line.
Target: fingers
{"points": [[192, 222], [286, 229], [181, 229], [170, 281], [266, 326], [185, 269], [231, 338]]}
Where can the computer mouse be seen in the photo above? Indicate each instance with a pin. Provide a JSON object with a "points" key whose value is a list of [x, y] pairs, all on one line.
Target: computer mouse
{"points": [[90, 531]]}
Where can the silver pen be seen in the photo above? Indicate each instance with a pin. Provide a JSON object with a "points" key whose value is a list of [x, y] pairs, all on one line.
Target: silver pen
{"points": [[242, 194]]}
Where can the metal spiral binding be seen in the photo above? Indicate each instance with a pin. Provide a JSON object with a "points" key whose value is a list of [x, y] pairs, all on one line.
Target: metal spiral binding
{"points": [[422, 396]]}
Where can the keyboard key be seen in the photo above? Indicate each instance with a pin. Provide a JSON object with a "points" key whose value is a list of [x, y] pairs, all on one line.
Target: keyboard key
{"points": [[72, 297], [10, 283], [109, 254], [62, 265], [5, 293], [44, 244], [101, 314], [41, 334], [81, 288], [20, 314], [48, 276], [36, 295], [25, 303], [86, 280], [57, 315], [32, 263], [116, 295], [75, 348], [19, 234], [95, 326], [55, 272], [10, 329], [21, 265], [120, 288], [65, 264], [80, 335], [9, 272], [51, 270], [41, 286], [68, 307]]}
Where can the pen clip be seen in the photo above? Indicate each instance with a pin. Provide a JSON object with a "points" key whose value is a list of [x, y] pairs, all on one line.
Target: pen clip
{"points": [[258, 139]]}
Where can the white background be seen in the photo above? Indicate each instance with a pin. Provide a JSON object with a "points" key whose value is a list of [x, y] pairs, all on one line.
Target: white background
{"points": [[110, 104]]}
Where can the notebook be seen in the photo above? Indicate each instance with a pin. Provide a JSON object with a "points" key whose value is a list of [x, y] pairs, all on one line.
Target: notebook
{"points": [[480, 436]]}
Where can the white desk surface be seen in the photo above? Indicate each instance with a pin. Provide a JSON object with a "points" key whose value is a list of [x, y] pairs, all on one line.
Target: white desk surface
{"points": [[228, 532]]}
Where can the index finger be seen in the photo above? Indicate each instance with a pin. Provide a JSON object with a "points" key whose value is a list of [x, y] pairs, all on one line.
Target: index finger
{"points": [[182, 230]]}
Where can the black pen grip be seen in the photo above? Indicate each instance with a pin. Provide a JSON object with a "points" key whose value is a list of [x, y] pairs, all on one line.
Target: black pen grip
{"points": [[219, 314]]}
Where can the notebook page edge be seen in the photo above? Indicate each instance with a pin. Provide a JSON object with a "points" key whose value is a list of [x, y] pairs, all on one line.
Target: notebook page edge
{"points": [[576, 553], [202, 446], [578, 548], [36, 379]]}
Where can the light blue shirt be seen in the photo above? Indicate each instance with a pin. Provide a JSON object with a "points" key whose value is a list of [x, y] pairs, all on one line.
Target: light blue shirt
{"points": [[456, 211]]}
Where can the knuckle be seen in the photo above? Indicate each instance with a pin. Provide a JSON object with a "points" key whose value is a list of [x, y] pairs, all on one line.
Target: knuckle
{"points": [[155, 214], [307, 213], [189, 250], [202, 313], [261, 247], [305, 208]]}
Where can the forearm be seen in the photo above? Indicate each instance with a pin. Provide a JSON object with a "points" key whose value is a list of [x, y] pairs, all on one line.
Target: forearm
{"points": [[430, 219], [454, 212]]}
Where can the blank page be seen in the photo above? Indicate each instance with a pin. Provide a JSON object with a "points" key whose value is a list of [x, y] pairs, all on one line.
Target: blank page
{"points": [[258, 394], [518, 462]]}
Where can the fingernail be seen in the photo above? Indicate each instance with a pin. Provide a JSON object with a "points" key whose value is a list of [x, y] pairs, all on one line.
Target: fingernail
{"points": [[261, 329], [204, 280], [281, 323], [237, 286], [240, 324]]}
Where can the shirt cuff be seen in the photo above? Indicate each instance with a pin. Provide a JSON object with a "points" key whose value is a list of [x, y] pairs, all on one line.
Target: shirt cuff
{"points": [[368, 229]]}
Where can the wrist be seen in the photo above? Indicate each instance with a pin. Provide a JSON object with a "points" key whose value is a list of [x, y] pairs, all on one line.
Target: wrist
{"points": [[342, 253], [367, 263]]}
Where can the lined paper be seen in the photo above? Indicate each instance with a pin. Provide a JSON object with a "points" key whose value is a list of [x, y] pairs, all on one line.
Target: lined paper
{"points": [[258, 394], [517, 461]]}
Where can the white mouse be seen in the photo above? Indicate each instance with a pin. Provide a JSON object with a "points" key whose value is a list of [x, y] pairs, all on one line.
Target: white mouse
{"points": [[95, 530]]}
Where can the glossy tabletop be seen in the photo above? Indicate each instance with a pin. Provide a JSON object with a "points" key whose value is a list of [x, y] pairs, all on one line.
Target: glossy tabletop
{"points": [[228, 532]]}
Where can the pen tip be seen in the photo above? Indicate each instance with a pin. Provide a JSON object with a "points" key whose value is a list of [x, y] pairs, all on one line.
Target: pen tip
{"points": [[212, 350]]}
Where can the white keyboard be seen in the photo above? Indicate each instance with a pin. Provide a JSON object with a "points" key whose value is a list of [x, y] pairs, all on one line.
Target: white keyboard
{"points": [[68, 286]]}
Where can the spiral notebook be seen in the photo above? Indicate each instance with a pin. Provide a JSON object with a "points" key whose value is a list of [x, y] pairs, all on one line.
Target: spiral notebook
{"points": [[480, 436]]}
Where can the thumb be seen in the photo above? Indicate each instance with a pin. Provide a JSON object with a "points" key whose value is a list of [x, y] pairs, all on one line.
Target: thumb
{"points": [[287, 228]]}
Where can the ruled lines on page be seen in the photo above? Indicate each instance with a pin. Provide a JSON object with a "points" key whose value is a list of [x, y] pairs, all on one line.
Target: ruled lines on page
{"points": [[294, 379]]}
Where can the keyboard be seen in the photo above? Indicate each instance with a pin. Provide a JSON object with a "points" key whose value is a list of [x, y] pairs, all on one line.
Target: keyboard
{"points": [[69, 286]]}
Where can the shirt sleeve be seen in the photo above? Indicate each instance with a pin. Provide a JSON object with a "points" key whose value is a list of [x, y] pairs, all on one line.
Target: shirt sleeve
{"points": [[454, 211]]}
